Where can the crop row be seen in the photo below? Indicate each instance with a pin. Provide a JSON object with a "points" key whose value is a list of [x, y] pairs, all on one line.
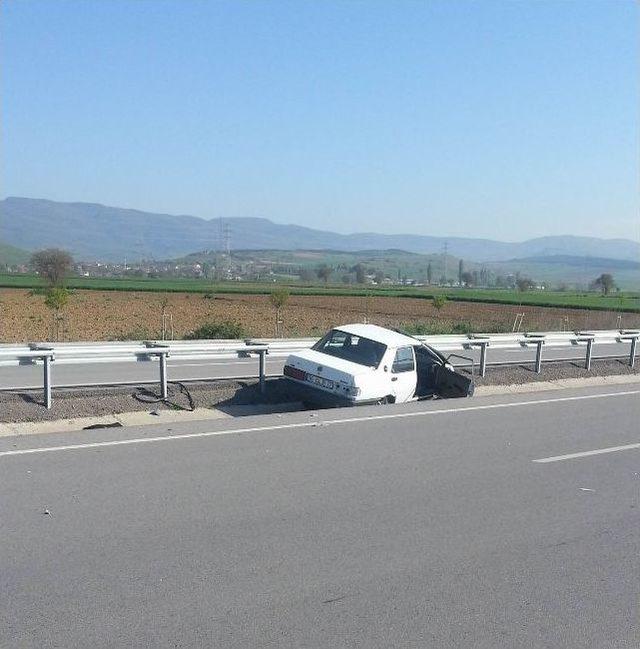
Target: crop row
{"points": [[628, 302]]}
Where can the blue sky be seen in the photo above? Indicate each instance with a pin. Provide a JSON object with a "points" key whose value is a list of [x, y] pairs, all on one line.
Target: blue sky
{"points": [[505, 120]]}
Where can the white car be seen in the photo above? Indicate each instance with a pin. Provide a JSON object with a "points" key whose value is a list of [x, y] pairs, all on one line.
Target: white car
{"points": [[363, 363]]}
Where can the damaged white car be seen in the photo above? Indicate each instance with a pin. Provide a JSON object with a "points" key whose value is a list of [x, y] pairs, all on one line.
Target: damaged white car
{"points": [[363, 363]]}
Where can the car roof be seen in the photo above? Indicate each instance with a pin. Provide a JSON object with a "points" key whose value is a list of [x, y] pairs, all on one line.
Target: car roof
{"points": [[380, 334]]}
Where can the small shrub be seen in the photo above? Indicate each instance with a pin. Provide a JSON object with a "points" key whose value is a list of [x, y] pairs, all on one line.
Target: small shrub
{"points": [[225, 329], [426, 328], [498, 328], [463, 328], [56, 298], [439, 301], [279, 298], [139, 333], [417, 328], [439, 328]]}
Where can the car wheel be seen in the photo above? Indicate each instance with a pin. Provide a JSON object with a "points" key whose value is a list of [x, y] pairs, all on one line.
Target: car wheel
{"points": [[384, 401]]}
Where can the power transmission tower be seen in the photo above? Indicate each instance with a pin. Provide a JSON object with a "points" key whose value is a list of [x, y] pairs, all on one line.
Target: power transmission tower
{"points": [[226, 234]]}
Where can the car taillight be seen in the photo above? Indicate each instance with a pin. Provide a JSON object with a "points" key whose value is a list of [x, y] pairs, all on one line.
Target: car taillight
{"points": [[294, 373]]}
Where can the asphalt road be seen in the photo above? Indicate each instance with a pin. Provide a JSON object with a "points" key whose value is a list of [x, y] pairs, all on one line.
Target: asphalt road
{"points": [[421, 525], [30, 376]]}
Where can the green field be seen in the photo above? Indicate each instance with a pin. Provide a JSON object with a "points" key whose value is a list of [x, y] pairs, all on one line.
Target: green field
{"points": [[629, 302]]}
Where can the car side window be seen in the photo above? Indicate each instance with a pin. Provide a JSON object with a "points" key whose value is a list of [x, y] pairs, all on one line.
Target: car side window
{"points": [[403, 362]]}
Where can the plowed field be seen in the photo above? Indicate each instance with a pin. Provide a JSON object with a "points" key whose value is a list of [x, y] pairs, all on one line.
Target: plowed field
{"points": [[110, 315]]}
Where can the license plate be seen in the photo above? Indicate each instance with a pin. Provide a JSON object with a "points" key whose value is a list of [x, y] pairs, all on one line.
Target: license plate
{"points": [[318, 380]]}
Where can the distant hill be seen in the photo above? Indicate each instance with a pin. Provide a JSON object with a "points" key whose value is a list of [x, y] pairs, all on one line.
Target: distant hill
{"points": [[553, 269], [572, 270], [98, 232], [394, 264], [12, 256], [581, 262]]}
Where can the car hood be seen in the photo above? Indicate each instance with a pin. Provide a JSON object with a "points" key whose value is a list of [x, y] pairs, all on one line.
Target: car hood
{"points": [[309, 360]]}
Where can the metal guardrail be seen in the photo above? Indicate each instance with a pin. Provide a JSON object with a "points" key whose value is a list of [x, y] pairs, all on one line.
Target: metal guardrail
{"points": [[109, 352], [537, 340], [160, 351]]}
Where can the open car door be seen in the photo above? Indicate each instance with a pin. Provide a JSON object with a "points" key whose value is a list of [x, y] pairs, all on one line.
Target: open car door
{"points": [[449, 383], [435, 378]]}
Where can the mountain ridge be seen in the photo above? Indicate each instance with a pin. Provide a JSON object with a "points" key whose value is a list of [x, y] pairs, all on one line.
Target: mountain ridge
{"points": [[87, 230]]}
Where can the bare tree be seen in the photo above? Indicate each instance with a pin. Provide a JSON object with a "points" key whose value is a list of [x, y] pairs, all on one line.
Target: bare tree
{"points": [[53, 265], [166, 318]]}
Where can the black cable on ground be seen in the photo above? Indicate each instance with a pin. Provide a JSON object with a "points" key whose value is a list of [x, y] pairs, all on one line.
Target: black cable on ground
{"points": [[140, 396], [184, 390]]}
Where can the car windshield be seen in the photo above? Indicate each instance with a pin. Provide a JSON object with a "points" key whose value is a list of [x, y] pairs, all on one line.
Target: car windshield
{"points": [[351, 348]]}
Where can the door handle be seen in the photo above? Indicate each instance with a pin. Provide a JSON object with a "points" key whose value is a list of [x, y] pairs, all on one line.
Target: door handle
{"points": [[394, 378]]}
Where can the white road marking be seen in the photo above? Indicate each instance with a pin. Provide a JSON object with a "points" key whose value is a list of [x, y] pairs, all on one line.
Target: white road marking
{"points": [[315, 423], [599, 451]]}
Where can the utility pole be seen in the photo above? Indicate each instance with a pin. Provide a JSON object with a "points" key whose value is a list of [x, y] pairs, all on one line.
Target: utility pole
{"points": [[446, 250]]}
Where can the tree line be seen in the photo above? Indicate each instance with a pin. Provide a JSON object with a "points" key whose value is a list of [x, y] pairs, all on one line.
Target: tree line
{"points": [[54, 266]]}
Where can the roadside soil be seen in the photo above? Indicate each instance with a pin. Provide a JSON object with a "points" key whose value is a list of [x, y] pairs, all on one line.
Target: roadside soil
{"points": [[113, 315], [70, 403]]}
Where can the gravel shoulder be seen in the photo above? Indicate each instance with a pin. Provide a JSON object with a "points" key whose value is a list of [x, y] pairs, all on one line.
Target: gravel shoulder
{"points": [[26, 406], [519, 374]]}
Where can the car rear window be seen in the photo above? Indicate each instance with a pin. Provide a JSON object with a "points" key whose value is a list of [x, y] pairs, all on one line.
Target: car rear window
{"points": [[351, 348]]}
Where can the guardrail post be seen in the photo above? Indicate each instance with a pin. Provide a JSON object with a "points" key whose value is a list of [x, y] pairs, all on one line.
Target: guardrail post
{"points": [[164, 391], [46, 359], [161, 351], [483, 358], [483, 343], [632, 337], [261, 361], [587, 358], [539, 356], [539, 340]]}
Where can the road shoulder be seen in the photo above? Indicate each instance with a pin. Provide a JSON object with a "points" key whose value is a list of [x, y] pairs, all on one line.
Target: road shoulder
{"points": [[148, 419]]}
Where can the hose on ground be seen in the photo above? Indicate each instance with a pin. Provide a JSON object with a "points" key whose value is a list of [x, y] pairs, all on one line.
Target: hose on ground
{"points": [[143, 396]]}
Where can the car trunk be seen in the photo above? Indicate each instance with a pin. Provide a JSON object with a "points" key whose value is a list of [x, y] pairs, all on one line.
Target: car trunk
{"points": [[331, 367]]}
